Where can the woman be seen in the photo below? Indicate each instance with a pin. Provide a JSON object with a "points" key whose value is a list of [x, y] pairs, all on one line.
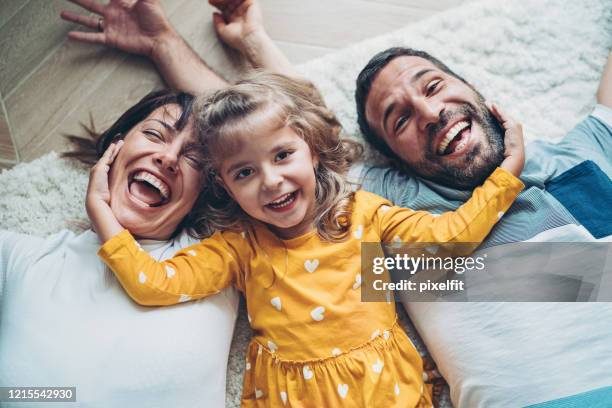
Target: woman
{"points": [[65, 321]]}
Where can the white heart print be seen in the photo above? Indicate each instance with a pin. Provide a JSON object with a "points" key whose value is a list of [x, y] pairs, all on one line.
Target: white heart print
{"points": [[184, 298], [377, 366], [272, 346], [311, 265], [170, 272], [258, 393], [192, 252], [276, 302], [142, 278], [317, 313], [396, 389], [307, 372], [358, 232], [283, 396], [357, 283], [342, 390]]}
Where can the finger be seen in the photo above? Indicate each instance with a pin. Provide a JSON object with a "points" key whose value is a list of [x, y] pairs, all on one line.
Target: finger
{"points": [[218, 22], [108, 153], [86, 21], [505, 120], [115, 151], [92, 38], [221, 5], [90, 5]]}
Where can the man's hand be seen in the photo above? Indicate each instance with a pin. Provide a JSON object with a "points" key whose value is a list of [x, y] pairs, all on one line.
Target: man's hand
{"points": [[239, 24], [237, 21], [514, 152], [138, 27]]}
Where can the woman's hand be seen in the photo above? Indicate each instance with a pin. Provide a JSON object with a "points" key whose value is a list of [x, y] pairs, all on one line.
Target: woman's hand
{"points": [[514, 151], [98, 197], [237, 22], [138, 27]]}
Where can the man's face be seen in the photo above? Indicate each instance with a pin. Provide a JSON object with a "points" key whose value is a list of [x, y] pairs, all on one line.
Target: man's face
{"points": [[436, 123]]}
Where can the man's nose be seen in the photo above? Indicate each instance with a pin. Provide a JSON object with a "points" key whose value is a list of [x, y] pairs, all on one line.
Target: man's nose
{"points": [[428, 112]]}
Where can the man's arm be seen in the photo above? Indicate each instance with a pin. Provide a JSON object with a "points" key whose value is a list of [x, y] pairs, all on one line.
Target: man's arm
{"points": [[604, 93], [142, 28], [239, 24]]}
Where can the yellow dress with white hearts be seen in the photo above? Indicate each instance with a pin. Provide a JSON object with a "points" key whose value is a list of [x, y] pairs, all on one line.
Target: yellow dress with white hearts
{"points": [[315, 344]]}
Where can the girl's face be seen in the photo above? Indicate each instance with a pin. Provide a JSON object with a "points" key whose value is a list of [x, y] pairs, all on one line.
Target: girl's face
{"points": [[272, 178]]}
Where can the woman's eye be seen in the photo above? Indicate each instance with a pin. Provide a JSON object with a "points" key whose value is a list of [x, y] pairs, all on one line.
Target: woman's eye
{"points": [[193, 161], [432, 86], [153, 134], [283, 155]]}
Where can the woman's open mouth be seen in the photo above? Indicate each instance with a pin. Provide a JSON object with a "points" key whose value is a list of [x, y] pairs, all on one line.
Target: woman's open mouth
{"points": [[148, 189], [456, 139], [284, 202]]}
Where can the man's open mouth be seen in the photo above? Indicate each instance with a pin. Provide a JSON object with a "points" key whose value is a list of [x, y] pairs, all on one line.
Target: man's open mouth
{"points": [[148, 188], [455, 139], [283, 201]]}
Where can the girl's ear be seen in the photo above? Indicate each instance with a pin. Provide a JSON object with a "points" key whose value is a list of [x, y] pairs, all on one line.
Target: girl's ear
{"points": [[315, 162]]}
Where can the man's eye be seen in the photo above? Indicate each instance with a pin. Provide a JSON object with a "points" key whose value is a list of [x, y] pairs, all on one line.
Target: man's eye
{"points": [[153, 134], [243, 173], [400, 122], [432, 86], [283, 155]]}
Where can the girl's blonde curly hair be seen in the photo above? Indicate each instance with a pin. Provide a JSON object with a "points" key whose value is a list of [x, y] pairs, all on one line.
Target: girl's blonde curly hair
{"points": [[268, 99]]}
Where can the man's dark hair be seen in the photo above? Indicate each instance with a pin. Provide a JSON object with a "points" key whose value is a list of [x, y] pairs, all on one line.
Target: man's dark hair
{"points": [[364, 84]]}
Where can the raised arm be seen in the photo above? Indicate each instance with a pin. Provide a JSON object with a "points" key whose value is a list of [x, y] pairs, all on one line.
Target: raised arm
{"points": [[604, 93], [141, 27], [239, 24]]}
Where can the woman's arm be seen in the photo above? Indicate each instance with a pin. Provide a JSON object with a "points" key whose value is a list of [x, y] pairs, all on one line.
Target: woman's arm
{"points": [[141, 27]]}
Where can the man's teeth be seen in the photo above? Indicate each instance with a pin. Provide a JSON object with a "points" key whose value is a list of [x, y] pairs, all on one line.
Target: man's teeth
{"points": [[282, 201], [164, 190], [451, 134]]}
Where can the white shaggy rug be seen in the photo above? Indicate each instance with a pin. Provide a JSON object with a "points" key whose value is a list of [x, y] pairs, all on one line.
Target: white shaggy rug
{"points": [[540, 60]]}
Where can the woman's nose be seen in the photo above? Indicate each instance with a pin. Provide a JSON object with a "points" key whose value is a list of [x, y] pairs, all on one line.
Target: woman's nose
{"points": [[167, 160]]}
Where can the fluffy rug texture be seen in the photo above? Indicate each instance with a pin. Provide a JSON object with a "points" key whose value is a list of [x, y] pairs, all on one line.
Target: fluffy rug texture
{"points": [[540, 60]]}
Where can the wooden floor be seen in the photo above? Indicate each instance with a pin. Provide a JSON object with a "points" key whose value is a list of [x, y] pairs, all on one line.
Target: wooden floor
{"points": [[49, 85]]}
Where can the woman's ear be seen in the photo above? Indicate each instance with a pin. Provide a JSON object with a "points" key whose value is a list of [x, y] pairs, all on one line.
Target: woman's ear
{"points": [[315, 162]]}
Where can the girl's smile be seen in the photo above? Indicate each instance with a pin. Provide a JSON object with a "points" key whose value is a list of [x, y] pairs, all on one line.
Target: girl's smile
{"points": [[272, 178]]}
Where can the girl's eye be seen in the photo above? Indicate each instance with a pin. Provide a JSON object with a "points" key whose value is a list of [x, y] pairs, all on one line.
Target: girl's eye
{"points": [[243, 173], [153, 134], [433, 86], [283, 155]]}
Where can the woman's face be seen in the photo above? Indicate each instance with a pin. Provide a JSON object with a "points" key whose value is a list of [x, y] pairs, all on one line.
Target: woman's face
{"points": [[154, 181]]}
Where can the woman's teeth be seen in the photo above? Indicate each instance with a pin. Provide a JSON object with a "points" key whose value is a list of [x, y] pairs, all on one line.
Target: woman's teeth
{"points": [[450, 136], [283, 201], [164, 190]]}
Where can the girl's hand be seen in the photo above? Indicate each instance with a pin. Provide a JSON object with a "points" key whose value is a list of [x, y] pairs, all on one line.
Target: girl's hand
{"points": [[237, 22], [514, 152]]}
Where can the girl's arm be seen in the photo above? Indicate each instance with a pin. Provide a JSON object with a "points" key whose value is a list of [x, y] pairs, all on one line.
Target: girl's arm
{"points": [[195, 272], [473, 221]]}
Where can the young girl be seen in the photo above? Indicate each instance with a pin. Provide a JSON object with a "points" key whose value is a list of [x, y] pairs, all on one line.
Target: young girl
{"points": [[290, 230]]}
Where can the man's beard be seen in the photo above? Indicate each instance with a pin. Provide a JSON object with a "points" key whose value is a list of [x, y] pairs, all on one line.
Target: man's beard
{"points": [[478, 163]]}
